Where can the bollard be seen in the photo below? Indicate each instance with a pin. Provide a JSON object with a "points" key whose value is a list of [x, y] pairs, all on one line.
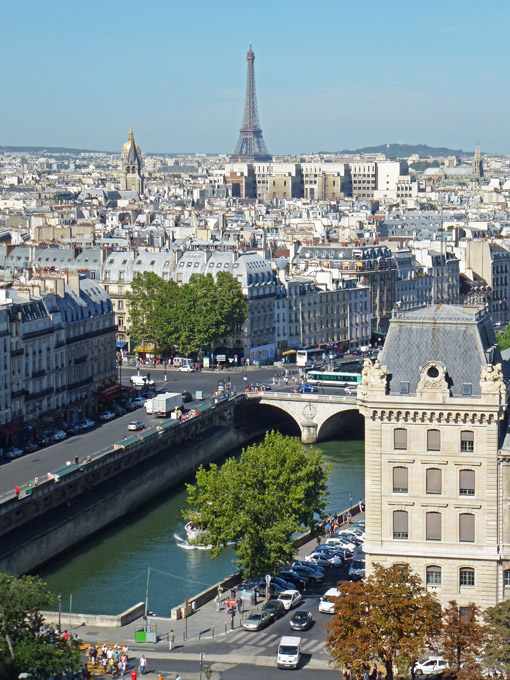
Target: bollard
{"points": [[225, 628], [213, 632]]}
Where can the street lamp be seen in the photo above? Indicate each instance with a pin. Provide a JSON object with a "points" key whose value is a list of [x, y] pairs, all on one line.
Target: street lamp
{"points": [[60, 614]]}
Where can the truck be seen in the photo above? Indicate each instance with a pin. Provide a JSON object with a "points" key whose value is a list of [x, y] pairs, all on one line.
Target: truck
{"points": [[148, 407], [164, 404]]}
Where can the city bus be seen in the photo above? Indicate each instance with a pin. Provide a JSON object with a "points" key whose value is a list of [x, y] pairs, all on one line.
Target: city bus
{"points": [[311, 357], [338, 377]]}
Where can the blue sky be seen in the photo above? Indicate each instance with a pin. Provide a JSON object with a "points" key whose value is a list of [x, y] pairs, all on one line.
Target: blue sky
{"points": [[330, 74]]}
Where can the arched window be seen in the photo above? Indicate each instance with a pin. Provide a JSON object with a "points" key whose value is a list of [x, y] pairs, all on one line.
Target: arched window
{"points": [[506, 578], [400, 480], [467, 483], [400, 439], [467, 576], [433, 440], [433, 526], [433, 480], [467, 441], [466, 527], [400, 525], [433, 576]]}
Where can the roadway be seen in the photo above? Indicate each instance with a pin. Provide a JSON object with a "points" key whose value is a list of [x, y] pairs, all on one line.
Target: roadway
{"points": [[19, 471]]}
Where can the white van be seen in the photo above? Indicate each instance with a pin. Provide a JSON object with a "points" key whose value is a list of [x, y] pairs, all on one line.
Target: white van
{"points": [[289, 652], [327, 603]]}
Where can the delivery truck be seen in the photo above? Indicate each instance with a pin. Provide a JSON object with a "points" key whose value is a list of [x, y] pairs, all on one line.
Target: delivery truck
{"points": [[164, 404]]}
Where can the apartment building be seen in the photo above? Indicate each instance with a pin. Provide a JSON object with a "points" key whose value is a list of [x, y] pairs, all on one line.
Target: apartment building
{"points": [[437, 471]]}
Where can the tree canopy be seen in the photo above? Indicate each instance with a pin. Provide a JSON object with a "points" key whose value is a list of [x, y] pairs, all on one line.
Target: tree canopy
{"points": [[388, 619], [461, 640], [504, 338], [259, 501], [497, 647], [27, 644], [190, 317]]}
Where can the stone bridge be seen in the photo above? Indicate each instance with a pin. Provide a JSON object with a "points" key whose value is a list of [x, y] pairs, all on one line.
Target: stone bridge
{"points": [[316, 414]]}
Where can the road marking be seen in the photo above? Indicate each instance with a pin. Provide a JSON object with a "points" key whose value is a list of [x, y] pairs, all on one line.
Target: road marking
{"points": [[240, 635], [316, 647]]}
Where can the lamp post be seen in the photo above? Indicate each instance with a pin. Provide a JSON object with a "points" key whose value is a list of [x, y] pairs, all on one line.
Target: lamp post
{"points": [[60, 614], [166, 364]]}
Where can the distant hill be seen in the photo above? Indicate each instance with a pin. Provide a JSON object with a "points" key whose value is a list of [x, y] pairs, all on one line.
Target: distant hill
{"points": [[406, 150], [49, 149]]}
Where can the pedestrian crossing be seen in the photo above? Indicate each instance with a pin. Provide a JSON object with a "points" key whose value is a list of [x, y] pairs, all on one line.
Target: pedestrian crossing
{"points": [[265, 640]]}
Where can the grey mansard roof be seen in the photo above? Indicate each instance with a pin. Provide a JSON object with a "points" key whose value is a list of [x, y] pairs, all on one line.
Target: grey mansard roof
{"points": [[460, 338]]}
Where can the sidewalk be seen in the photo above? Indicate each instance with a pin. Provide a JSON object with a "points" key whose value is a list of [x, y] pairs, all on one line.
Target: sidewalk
{"points": [[204, 623]]}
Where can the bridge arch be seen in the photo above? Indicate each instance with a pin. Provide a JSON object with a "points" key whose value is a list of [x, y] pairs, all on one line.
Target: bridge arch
{"points": [[317, 415], [343, 423]]}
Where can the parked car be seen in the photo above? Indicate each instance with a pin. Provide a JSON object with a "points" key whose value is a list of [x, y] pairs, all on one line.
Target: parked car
{"points": [[30, 447], [306, 388], [434, 664], [187, 369], [135, 425], [333, 551], [313, 567], [323, 560], [275, 608], [286, 585], [14, 452], [299, 580], [290, 598], [301, 620], [257, 620], [59, 436], [328, 600], [309, 573], [107, 415], [86, 424], [119, 410], [186, 396]]}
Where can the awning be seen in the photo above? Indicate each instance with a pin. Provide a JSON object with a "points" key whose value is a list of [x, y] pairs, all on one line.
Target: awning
{"points": [[109, 393], [121, 343], [10, 428], [289, 351], [145, 347]]}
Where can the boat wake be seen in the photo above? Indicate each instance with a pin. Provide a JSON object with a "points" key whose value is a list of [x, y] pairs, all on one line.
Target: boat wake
{"points": [[183, 543]]}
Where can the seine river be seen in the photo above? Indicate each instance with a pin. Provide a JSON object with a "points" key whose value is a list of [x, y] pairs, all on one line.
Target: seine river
{"points": [[108, 573]]}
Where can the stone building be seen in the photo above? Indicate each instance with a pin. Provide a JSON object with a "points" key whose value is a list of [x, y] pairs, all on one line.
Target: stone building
{"points": [[131, 166], [437, 468]]}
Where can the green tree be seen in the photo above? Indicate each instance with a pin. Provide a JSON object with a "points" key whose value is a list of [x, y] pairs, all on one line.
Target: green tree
{"points": [[461, 640], [259, 501], [504, 338], [497, 646], [143, 304], [390, 619], [209, 309], [26, 643]]}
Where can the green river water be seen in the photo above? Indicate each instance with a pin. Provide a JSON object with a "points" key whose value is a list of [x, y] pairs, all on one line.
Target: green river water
{"points": [[108, 572]]}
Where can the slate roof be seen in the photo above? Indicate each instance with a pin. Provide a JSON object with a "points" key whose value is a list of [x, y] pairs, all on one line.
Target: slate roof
{"points": [[461, 338]]}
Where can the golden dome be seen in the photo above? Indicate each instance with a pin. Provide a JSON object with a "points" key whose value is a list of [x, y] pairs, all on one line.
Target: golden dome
{"points": [[127, 145]]}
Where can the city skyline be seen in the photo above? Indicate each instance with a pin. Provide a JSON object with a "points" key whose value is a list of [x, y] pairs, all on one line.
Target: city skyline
{"points": [[338, 77]]}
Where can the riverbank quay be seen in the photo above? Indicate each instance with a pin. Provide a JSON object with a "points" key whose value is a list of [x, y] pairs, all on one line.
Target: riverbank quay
{"points": [[87, 498], [203, 629]]}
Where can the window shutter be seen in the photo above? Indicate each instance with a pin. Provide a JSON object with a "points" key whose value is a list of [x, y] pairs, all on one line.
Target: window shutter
{"points": [[433, 480], [433, 521], [467, 482], [400, 438], [400, 524], [400, 477], [467, 436], [467, 528], [433, 440]]}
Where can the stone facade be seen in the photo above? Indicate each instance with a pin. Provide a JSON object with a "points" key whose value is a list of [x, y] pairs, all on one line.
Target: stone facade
{"points": [[434, 412]]}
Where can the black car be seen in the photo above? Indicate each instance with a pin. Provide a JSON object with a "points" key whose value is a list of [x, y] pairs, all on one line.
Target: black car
{"points": [[275, 608], [187, 396], [301, 620], [291, 576]]}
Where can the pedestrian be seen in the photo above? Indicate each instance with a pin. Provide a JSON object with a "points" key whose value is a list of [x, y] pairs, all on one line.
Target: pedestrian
{"points": [[218, 602], [160, 677], [134, 674], [16, 491], [171, 639], [240, 604], [76, 460], [143, 664]]}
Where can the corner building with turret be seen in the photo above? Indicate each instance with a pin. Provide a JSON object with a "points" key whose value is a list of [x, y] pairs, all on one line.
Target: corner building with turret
{"points": [[437, 455]]}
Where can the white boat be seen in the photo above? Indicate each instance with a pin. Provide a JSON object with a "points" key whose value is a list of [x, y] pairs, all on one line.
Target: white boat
{"points": [[192, 532]]}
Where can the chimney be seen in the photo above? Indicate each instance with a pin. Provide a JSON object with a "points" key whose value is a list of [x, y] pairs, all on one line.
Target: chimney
{"points": [[73, 280], [60, 287]]}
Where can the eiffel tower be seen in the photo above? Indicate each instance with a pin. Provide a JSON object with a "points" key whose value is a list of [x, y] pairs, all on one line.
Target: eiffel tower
{"points": [[250, 146]]}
